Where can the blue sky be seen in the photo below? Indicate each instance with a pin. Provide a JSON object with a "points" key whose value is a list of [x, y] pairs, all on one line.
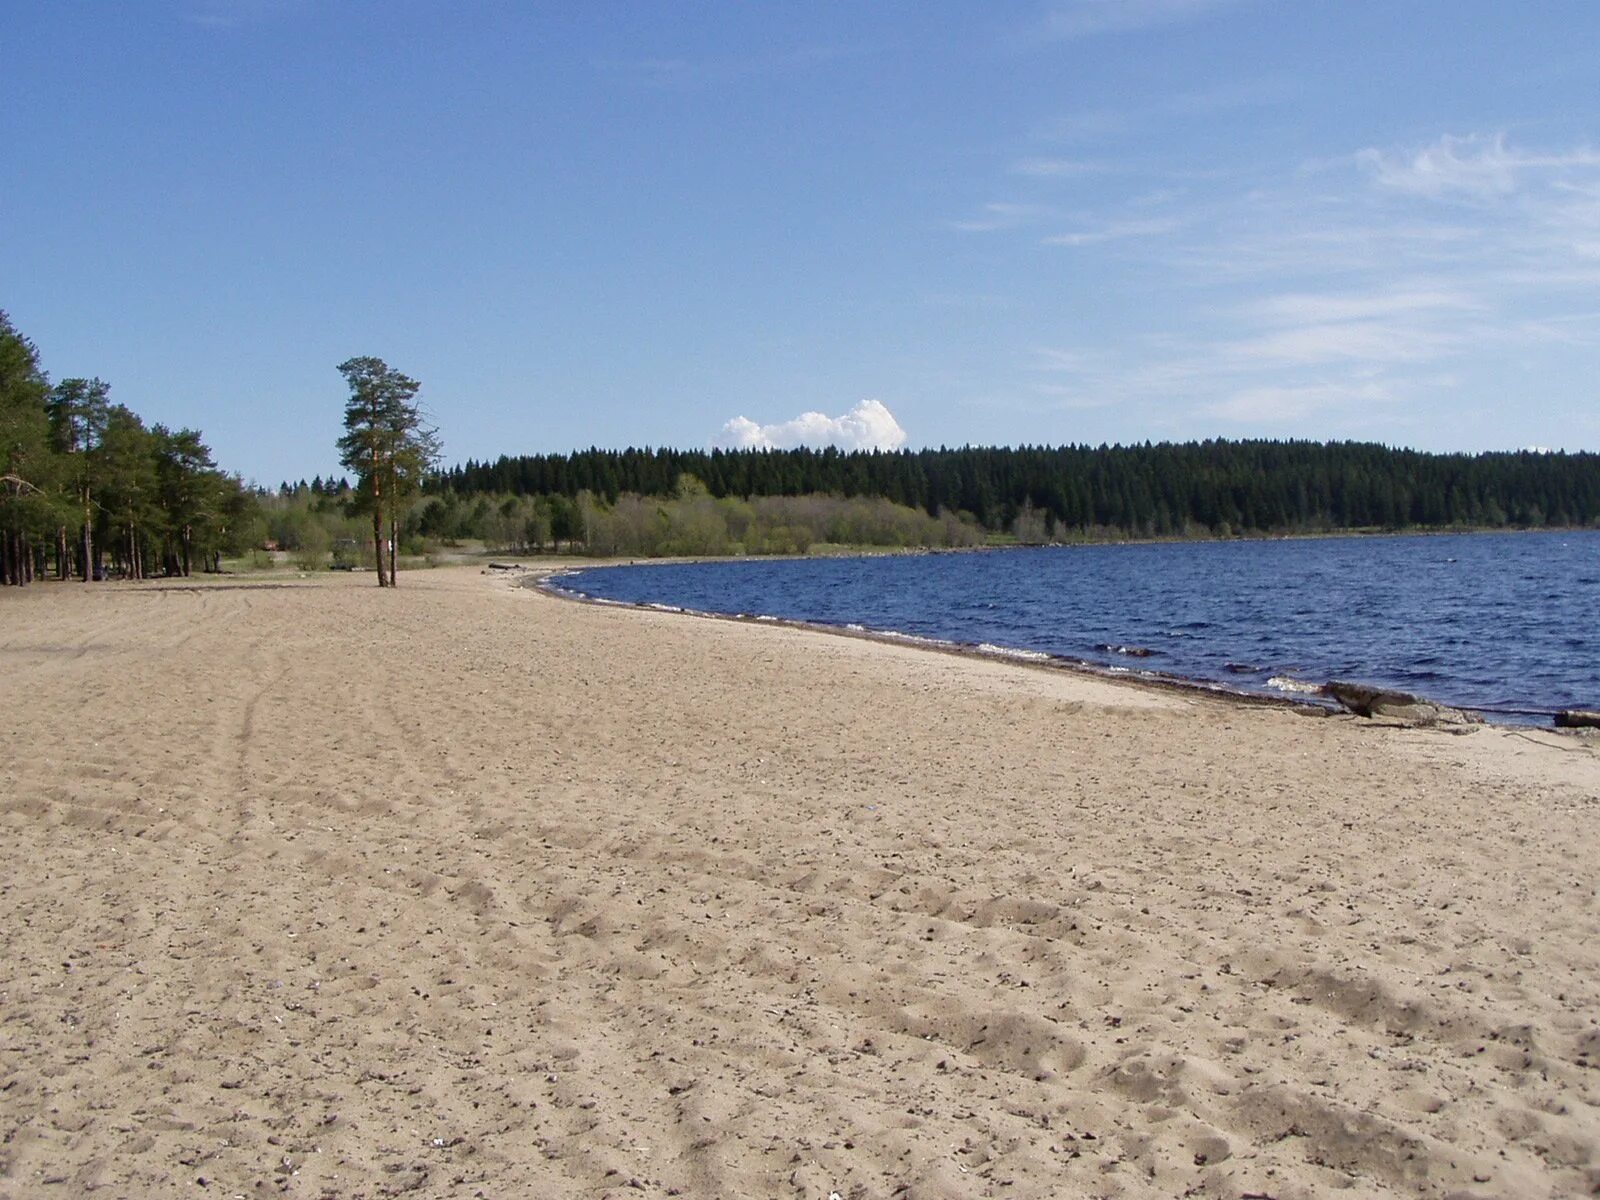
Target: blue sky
{"points": [[631, 224]]}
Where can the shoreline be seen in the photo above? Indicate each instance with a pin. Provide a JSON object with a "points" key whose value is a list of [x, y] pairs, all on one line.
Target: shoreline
{"points": [[1012, 656], [1316, 702]]}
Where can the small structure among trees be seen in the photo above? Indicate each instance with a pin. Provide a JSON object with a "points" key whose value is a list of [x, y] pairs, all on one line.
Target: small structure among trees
{"points": [[388, 445]]}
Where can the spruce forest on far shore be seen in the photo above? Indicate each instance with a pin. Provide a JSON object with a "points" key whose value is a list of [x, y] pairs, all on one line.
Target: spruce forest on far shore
{"points": [[1073, 493]]}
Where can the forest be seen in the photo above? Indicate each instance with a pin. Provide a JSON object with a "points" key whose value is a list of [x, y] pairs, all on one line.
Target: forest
{"points": [[88, 491], [1190, 489], [672, 502]]}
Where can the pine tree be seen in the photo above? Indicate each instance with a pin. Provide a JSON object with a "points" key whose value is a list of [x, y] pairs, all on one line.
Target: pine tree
{"points": [[79, 410], [388, 446]]}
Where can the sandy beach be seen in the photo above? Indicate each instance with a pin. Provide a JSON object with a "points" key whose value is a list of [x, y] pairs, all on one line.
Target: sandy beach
{"points": [[464, 890]]}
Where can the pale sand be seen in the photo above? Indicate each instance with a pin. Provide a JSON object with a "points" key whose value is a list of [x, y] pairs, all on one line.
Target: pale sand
{"points": [[463, 890]]}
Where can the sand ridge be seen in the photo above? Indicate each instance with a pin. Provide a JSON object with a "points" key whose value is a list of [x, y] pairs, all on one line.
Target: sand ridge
{"points": [[325, 891]]}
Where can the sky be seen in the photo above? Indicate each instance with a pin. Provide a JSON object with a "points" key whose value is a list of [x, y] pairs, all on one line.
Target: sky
{"points": [[907, 223]]}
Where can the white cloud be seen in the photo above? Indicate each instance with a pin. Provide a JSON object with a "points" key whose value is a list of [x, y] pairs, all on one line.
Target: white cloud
{"points": [[998, 215], [1086, 18], [1073, 361], [1476, 166], [1266, 405], [1115, 231], [1338, 297], [1320, 307], [1061, 397], [867, 426], [1348, 341], [1059, 168]]}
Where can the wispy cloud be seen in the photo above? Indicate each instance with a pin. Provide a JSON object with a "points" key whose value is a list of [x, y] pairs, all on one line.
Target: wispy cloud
{"points": [[235, 14], [1477, 166], [1319, 307], [1060, 168], [1341, 299], [1270, 406], [1368, 342], [674, 73], [1096, 125], [1112, 231], [1236, 94], [1075, 361], [1089, 18], [998, 215]]}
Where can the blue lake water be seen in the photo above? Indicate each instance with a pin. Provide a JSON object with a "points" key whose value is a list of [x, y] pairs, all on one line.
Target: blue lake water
{"points": [[1491, 621]]}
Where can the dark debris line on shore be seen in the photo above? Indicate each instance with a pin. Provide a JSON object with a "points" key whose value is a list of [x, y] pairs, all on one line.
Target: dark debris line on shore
{"points": [[1359, 699]]}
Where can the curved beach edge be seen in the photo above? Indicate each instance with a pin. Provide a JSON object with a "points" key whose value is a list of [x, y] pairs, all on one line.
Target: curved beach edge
{"points": [[547, 582], [1306, 699]]}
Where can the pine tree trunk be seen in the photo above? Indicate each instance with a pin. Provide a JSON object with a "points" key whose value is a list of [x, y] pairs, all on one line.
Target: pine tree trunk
{"points": [[377, 543], [88, 540], [394, 573]]}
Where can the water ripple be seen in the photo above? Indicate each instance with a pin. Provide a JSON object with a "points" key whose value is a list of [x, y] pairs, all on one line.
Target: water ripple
{"points": [[1497, 620]]}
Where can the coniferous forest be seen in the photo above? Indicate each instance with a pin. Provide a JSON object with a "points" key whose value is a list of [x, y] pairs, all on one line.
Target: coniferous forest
{"points": [[87, 490], [1191, 489]]}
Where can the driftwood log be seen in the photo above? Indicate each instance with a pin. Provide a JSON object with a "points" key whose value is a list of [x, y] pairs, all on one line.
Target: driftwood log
{"points": [[1367, 701], [1578, 718]]}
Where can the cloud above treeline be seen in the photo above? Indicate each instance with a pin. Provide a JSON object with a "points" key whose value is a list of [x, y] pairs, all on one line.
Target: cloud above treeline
{"points": [[867, 426]]}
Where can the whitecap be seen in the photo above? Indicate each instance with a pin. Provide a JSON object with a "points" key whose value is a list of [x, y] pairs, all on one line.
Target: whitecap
{"points": [[1012, 652]]}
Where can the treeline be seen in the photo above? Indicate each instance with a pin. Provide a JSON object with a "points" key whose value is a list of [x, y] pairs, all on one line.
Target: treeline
{"points": [[316, 522], [87, 490], [1211, 488], [695, 522]]}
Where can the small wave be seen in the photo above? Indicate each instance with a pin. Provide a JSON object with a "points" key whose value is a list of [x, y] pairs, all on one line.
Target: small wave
{"points": [[913, 638], [1128, 651], [1241, 669], [1012, 652], [673, 608], [1299, 686], [854, 628]]}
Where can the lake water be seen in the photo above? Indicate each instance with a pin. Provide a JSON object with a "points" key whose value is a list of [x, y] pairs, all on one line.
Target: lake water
{"points": [[1488, 621]]}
